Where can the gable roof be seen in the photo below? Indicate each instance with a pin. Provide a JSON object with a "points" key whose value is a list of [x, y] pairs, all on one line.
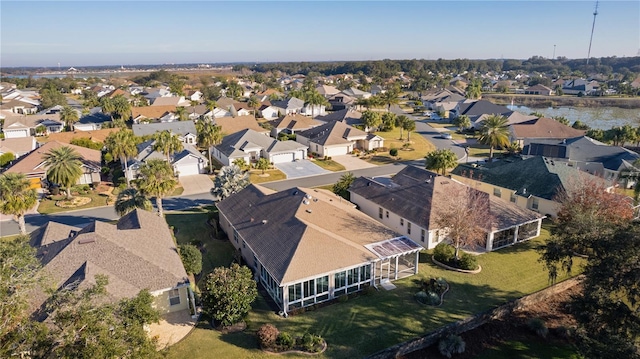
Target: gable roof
{"points": [[137, 253], [30, 121], [535, 176], [544, 128], [349, 116], [181, 128], [18, 145], [292, 103], [231, 125], [333, 133], [66, 137], [299, 233], [295, 122], [482, 107], [97, 117], [151, 112], [31, 163], [326, 90], [235, 143]]}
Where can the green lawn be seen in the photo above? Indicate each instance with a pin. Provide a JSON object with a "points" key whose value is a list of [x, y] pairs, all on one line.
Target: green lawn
{"points": [[329, 165], [177, 191], [48, 206], [530, 350], [256, 176], [366, 324], [442, 125], [417, 150], [483, 151]]}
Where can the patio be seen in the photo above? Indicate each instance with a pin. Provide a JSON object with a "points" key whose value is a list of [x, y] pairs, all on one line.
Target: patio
{"points": [[172, 328]]}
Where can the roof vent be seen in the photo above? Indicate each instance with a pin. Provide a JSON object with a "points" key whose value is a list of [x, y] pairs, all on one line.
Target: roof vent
{"points": [[308, 196], [87, 240], [305, 201], [264, 221], [295, 193], [308, 211]]}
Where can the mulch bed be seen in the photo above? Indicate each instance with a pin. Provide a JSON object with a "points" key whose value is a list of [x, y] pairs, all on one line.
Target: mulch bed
{"points": [[552, 310]]}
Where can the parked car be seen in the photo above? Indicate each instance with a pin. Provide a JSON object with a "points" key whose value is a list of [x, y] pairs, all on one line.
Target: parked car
{"points": [[446, 135]]}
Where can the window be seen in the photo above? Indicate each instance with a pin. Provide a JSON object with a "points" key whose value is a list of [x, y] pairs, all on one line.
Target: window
{"points": [[422, 235], [309, 288], [352, 276], [255, 262], [295, 292], [365, 273], [535, 203], [402, 221], [235, 235], [436, 237], [340, 279], [174, 297], [387, 214], [322, 284], [497, 192], [244, 244], [512, 198], [408, 227], [380, 212]]}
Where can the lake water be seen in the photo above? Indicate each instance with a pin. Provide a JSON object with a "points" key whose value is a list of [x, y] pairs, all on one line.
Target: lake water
{"points": [[597, 117]]}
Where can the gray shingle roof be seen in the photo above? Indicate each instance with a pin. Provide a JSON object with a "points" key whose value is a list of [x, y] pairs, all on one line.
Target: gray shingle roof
{"points": [[179, 127], [332, 133], [482, 107], [251, 138]]}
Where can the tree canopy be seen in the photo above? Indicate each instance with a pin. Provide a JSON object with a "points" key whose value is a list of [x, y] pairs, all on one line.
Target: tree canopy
{"points": [[229, 180], [64, 167], [441, 160], [228, 293]]}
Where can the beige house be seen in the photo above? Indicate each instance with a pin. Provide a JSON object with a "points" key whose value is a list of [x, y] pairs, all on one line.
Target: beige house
{"points": [[136, 253], [309, 246], [337, 138], [407, 203]]}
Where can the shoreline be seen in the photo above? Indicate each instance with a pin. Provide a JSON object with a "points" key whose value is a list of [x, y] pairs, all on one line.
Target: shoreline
{"points": [[538, 101]]}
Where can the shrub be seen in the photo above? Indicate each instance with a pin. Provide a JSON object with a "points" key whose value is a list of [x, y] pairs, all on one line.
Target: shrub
{"points": [[444, 253], [307, 342], [467, 261], [191, 258], [538, 326], [422, 297], [453, 344], [393, 152], [267, 335], [285, 341], [6, 158], [368, 290]]}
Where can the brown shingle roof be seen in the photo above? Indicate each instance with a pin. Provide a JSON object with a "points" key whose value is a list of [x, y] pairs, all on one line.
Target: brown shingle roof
{"points": [[30, 164], [151, 112], [544, 128], [30, 120], [296, 122], [333, 133], [66, 137], [232, 125]]}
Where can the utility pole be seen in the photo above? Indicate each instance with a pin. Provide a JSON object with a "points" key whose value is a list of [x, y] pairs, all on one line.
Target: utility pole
{"points": [[595, 13]]}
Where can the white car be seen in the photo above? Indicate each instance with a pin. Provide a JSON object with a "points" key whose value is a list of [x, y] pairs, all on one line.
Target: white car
{"points": [[446, 135]]}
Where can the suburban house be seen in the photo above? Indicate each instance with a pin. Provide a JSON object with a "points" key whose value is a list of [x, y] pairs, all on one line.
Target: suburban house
{"points": [[585, 154], [185, 130], [308, 246], [534, 183], [408, 204], [269, 112], [187, 162], [19, 146], [153, 113], [19, 107], [152, 94], [578, 86], [341, 101], [292, 124], [539, 89], [25, 126], [136, 253], [337, 138], [290, 106], [348, 116], [91, 122], [512, 117], [430, 100], [327, 91], [67, 137], [251, 146], [194, 95], [32, 166], [196, 112], [231, 125], [481, 107], [356, 93], [542, 129]]}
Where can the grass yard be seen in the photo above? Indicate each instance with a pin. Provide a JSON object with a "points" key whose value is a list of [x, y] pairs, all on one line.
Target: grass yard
{"points": [[177, 191], [9, 238], [256, 176], [530, 350], [442, 125], [483, 151], [366, 324], [48, 206], [418, 149], [329, 165]]}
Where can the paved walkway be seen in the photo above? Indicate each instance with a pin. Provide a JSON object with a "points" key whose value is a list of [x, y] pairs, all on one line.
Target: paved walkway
{"points": [[300, 168], [351, 162], [196, 184], [172, 328]]}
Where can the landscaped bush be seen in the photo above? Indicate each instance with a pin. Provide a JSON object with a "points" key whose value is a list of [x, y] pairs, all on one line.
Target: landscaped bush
{"points": [[81, 189], [467, 261], [453, 344], [393, 152], [538, 326], [285, 341], [310, 343], [444, 253], [267, 335]]}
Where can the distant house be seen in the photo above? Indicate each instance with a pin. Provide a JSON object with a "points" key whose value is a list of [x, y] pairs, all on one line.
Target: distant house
{"points": [[19, 146], [348, 116], [269, 112], [25, 126], [290, 106], [32, 164], [327, 91], [67, 137], [532, 184], [136, 253], [186, 130], [184, 163], [171, 101], [92, 122], [341, 101], [309, 246], [578, 86], [194, 95], [231, 125], [293, 123], [19, 107], [337, 138], [377, 89], [356, 93], [542, 128], [481, 107], [539, 89], [407, 203], [151, 113], [251, 146]]}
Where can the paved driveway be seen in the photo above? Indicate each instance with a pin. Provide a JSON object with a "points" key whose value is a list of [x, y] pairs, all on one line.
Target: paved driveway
{"points": [[196, 184], [300, 168], [351, 162]]}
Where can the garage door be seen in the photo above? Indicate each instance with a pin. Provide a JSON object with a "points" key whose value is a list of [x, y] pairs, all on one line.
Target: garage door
{"points": [[282, 157], [337, 151], [187, 170]]}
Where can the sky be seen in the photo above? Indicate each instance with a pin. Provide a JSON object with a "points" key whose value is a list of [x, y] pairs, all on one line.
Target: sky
{"points": [[91, 33]]}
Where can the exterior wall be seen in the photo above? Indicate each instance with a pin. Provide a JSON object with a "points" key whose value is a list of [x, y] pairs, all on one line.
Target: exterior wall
{"points": [[305, 141], [161, 301], [220, 157], [373, 144], [545, 206], [87, 127], [336, 150]]}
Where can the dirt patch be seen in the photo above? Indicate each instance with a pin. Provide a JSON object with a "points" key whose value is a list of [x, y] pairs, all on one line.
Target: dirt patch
{"points": [[553, 310], [73, 202]]}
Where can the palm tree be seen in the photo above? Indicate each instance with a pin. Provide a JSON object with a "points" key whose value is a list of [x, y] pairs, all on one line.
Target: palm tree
{"points": [[130, 199], [440, 160], [156, 178], [494, 133], [463, 122], [121, 107], [122, 144], [229, 180], [181, 112], [253, 103], [400, 122], [16, 198], [107, 105], [69, 116], [409, 125], [389, 98], [63, 167], [167, 143], [315, 99], [209, 135]]}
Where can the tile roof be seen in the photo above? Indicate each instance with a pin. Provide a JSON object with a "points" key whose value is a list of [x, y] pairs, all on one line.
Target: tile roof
{"points": [[295, 122], [231, 125], [299, 233], [333, 133], [30, 164], [181, 128], [544, 128], [137, 253]]}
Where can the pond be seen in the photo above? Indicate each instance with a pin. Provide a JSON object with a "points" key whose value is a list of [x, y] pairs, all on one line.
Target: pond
{"points": [[600, 117]]}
